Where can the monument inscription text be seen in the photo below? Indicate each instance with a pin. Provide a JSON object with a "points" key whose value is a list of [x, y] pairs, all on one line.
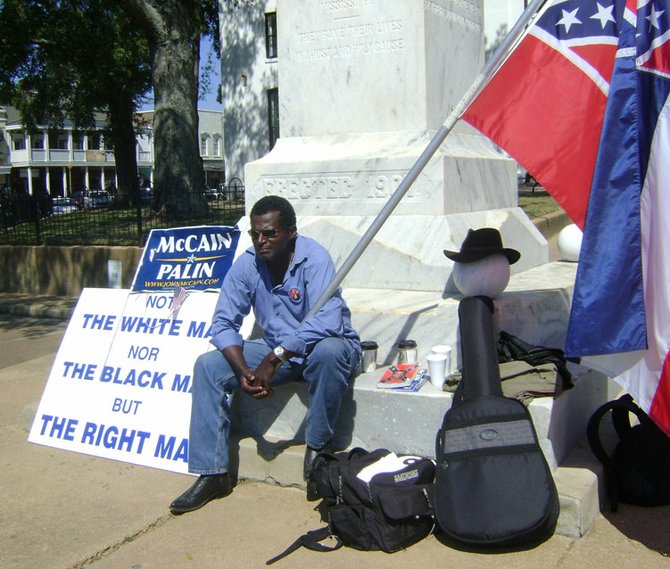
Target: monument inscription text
{"points": [[351, 33], [337, 187], [463, 12]]}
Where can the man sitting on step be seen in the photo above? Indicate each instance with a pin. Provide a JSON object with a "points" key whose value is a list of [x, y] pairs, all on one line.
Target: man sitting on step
{"points": [[280, 277]]}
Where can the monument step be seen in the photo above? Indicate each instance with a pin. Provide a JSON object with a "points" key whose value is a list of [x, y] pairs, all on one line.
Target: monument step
{"points": [[535, 307], [407, 423]]}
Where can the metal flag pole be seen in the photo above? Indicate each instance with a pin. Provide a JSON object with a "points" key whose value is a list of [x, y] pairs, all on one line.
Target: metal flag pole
{"points": [[487, 72]]}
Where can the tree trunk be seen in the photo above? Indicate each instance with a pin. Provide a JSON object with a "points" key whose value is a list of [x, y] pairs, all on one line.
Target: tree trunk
{"points": [[121, 113], [178, 166], [173, 30]]}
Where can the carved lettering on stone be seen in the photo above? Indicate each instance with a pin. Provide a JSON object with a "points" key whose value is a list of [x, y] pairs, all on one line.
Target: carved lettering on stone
{"points": [[462, 12], [352, 34], [367, 187]]}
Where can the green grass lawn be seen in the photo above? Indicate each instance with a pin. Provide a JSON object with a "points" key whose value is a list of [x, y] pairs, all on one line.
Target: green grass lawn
{"points": [[537, 203], [111, 226]]}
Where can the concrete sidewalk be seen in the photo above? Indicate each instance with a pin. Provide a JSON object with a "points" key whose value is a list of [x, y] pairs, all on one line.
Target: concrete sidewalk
{"points": [[37, 306], [62, 509]]}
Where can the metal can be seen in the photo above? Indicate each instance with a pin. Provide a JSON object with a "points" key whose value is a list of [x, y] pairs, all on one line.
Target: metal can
{"points": [[368, 356], [407, 352]]}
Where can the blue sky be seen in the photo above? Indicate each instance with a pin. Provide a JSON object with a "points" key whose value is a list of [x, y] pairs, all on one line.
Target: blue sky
{"points": [[209, 101]]}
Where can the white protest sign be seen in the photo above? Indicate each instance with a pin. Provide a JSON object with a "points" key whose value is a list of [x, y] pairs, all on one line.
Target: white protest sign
{"points": [[120, 385]]}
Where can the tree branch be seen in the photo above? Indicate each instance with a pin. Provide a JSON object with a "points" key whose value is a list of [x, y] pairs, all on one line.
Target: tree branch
{"points": [[146, 15]]}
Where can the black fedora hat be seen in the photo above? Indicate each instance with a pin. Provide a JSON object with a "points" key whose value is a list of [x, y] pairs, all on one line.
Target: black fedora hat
{"points": [[481, 243]]}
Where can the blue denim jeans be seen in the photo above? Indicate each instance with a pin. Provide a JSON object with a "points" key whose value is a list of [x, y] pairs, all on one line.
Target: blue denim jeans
{"points": [[327, 370]]}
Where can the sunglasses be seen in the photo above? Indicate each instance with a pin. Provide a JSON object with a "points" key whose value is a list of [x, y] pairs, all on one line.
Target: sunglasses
{"points": [[267, 233]]}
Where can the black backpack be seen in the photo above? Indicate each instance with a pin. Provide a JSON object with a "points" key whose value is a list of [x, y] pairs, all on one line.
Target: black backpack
{"points": [[388, 513], [638, 470], [493, 486]]}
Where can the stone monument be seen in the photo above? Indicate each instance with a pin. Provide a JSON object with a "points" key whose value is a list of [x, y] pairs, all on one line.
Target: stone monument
{"points": [[363, 86]]}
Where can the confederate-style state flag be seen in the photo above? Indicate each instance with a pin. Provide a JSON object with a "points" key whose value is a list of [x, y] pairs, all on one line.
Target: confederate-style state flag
{"points": [[598, 74], [545, 105]]}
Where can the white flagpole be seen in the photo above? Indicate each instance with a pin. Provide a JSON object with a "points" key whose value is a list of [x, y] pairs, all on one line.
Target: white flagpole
{"points": [[487, 72]]}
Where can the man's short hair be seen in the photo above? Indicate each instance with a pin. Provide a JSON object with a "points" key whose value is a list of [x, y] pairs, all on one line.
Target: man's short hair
{"points": [[269, 204]]}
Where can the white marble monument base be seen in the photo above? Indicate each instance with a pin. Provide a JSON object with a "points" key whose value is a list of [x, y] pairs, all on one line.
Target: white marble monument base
{"points": [[407, 423], [332, 174], [338, 185]]}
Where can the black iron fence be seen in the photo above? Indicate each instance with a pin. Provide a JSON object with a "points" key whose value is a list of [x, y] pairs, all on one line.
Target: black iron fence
{"points": [[41, 220]]}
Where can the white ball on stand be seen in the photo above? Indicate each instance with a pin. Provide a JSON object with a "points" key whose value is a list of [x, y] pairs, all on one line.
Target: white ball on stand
{"points": [[570, 242], [488, 276]]}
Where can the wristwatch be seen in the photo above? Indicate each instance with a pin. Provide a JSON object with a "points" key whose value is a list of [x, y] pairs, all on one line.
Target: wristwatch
{"points": [[280, 353]]}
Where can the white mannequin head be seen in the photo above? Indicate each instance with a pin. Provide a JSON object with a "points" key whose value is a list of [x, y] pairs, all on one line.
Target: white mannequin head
{"points": [[488, 276]]}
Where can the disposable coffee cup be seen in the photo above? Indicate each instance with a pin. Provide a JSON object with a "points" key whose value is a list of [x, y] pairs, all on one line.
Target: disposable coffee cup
{"points": [[437, 369], [444, 350], [368, 356]]}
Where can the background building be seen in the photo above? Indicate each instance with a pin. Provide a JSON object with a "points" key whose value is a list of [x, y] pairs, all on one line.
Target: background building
{"points": [[249, 82], [64, 162], [5, 165], [210, 128], [58, 163]]}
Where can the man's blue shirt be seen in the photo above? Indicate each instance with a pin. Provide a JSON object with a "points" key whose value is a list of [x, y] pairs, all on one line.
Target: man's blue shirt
{"points": [[280, 310]]}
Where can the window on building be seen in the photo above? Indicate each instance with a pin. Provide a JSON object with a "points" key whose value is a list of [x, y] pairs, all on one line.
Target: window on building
{"points": [[217, 145], [58, 140], [271, 35], [19, 141], [204, 144], [273, 116], [94, 141], [77, 142], [37, 141]]}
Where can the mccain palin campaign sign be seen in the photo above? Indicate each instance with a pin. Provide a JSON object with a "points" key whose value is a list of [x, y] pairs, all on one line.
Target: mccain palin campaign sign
{"points": [[194, 258]]}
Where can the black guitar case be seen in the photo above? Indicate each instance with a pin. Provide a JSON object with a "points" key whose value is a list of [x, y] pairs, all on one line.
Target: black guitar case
{"points": [[493, 486]]}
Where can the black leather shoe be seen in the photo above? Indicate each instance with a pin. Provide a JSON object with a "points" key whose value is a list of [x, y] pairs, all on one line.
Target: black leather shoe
{"points": [[205, 489], [307, 469], [308, 464]]}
